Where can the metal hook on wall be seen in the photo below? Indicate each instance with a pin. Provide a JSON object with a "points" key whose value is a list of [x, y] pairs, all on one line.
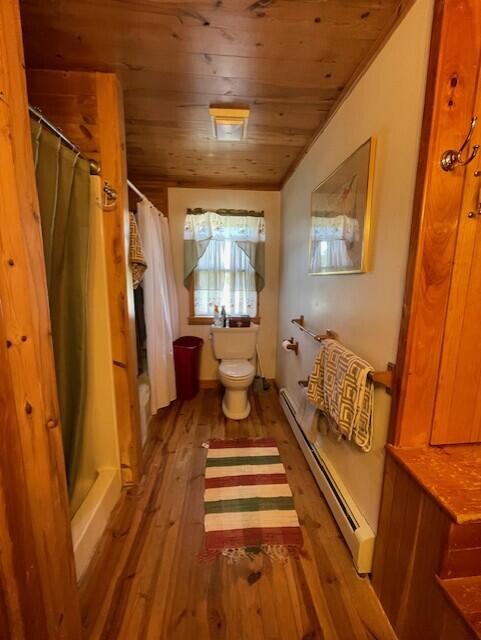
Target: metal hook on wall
{"points": [[110, 197], [452, 159]]}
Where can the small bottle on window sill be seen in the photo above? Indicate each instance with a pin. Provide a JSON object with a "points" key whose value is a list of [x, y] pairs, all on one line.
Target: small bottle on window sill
{"points": [[217, 319], [223, 316]]}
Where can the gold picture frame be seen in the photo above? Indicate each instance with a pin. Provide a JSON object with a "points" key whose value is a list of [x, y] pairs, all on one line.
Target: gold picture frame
{"points": [[341, 212]]}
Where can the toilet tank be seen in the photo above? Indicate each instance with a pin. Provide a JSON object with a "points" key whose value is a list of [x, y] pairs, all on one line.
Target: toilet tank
{"points": [[234, 343]]}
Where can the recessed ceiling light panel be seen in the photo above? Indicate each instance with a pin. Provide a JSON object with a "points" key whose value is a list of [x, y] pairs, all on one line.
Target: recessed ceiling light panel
{"points": [[229, 124]]}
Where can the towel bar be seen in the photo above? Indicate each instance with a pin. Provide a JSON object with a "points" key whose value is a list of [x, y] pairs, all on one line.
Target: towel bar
{"points": [[299, 322], [384, 378]]}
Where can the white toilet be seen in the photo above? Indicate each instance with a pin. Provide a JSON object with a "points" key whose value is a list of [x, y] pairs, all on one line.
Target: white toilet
{"points": [[235, 348]]}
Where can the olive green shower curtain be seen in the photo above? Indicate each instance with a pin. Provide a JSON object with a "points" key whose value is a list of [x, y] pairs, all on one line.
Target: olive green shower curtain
{"points": [[63, 184]]}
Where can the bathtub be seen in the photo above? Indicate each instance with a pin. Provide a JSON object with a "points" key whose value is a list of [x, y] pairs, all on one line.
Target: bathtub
{"points": [[98, 485]]}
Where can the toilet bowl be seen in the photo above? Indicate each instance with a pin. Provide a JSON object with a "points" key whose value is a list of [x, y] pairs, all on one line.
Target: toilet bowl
{"points": [[236, 376], [235, 348]]}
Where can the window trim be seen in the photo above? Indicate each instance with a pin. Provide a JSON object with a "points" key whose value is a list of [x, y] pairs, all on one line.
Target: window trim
{"points": [[209, 320]]}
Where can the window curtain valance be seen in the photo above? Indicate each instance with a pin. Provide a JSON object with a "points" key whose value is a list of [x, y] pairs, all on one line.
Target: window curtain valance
{"points": [[338, 228], [245, 228]]}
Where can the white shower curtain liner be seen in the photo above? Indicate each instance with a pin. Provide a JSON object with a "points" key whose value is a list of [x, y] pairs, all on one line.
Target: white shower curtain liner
{"points": [[160, 304]]}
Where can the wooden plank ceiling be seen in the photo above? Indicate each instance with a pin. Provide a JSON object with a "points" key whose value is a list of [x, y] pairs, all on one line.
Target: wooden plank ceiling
{"points": [[289, 61]]}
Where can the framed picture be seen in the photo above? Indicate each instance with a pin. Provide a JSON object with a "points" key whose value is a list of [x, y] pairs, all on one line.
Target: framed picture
{"points": [[340, 216]]}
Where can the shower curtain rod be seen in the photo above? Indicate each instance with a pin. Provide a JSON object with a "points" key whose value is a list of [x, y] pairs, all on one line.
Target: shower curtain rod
{"points": [[135, 190], [94, 166], [132, 186]]}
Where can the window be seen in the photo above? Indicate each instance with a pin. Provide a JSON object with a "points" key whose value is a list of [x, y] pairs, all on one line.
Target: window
{"points": [[224, 277], [224, 261]]}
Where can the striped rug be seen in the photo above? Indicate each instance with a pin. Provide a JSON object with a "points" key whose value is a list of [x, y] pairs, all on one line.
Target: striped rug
{"points": [[249, 508]]}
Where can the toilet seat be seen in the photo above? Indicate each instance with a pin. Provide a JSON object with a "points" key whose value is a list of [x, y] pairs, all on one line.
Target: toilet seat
{"points": [[236, 377], [236, 369], [235, 351]]}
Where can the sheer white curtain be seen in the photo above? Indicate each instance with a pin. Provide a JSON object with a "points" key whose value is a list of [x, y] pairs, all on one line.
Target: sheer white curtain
{"points": [[330, 239], [160, 304], [224, 276], [169, 272], [334, 226]]}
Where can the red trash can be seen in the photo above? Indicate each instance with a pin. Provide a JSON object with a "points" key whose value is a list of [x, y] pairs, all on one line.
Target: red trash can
{"points": [[187, 362]]}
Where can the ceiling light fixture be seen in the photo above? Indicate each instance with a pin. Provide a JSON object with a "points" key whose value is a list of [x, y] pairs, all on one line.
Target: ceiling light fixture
{"points": [[229, 124]]}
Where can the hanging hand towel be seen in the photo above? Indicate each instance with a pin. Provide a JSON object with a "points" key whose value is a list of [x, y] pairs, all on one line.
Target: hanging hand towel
{"points": [[340, 387], [137, 262]]}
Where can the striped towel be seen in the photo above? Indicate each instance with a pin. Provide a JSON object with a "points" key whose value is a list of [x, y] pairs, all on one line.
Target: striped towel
{"points": [[249, 507], [341, 388], [137, 262]]}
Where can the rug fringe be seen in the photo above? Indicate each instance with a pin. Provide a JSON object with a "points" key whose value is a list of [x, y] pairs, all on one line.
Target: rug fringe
{"points": [[277, 552]]}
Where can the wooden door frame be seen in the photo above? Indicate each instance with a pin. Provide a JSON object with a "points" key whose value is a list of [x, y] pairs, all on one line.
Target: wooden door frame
{"points": [[38, 587], [113, 161], [94, 121], [38, 590], [450, 98]]}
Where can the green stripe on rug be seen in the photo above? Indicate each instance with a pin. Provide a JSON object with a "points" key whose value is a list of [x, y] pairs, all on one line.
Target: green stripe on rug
{"points": [[250, 504], [241, 460]]}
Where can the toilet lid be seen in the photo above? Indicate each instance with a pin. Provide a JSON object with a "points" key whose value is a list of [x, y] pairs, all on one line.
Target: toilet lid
{"points": [[236, 368]]}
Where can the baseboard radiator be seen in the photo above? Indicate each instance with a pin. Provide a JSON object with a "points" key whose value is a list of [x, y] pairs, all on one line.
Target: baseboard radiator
{"points": [[357, 533]]}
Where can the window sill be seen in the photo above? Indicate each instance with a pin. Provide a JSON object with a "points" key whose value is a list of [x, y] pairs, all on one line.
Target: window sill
{"points": [[208, 320]]}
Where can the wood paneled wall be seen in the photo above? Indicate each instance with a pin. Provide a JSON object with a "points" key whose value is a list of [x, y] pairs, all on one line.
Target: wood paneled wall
{"points": [[38, 594], [416, 540], [408, 555], [69, 100], [88, 108], [450, 100], [122, 312]]}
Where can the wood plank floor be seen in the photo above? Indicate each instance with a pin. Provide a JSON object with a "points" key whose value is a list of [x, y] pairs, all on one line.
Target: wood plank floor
{"points": [[147, 581]]}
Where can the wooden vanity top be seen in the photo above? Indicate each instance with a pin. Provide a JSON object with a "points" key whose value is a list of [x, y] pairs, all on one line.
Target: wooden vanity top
{"points": [[450, 474], [465, 595]]}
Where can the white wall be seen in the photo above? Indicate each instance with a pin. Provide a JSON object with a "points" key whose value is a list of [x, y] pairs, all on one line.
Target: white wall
{"points": [[364, 309], [269, 202]]}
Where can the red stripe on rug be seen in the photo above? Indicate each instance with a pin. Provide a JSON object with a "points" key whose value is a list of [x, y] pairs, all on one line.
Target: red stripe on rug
{"points": [[239, 538], [242, 442], [243, 481]]}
